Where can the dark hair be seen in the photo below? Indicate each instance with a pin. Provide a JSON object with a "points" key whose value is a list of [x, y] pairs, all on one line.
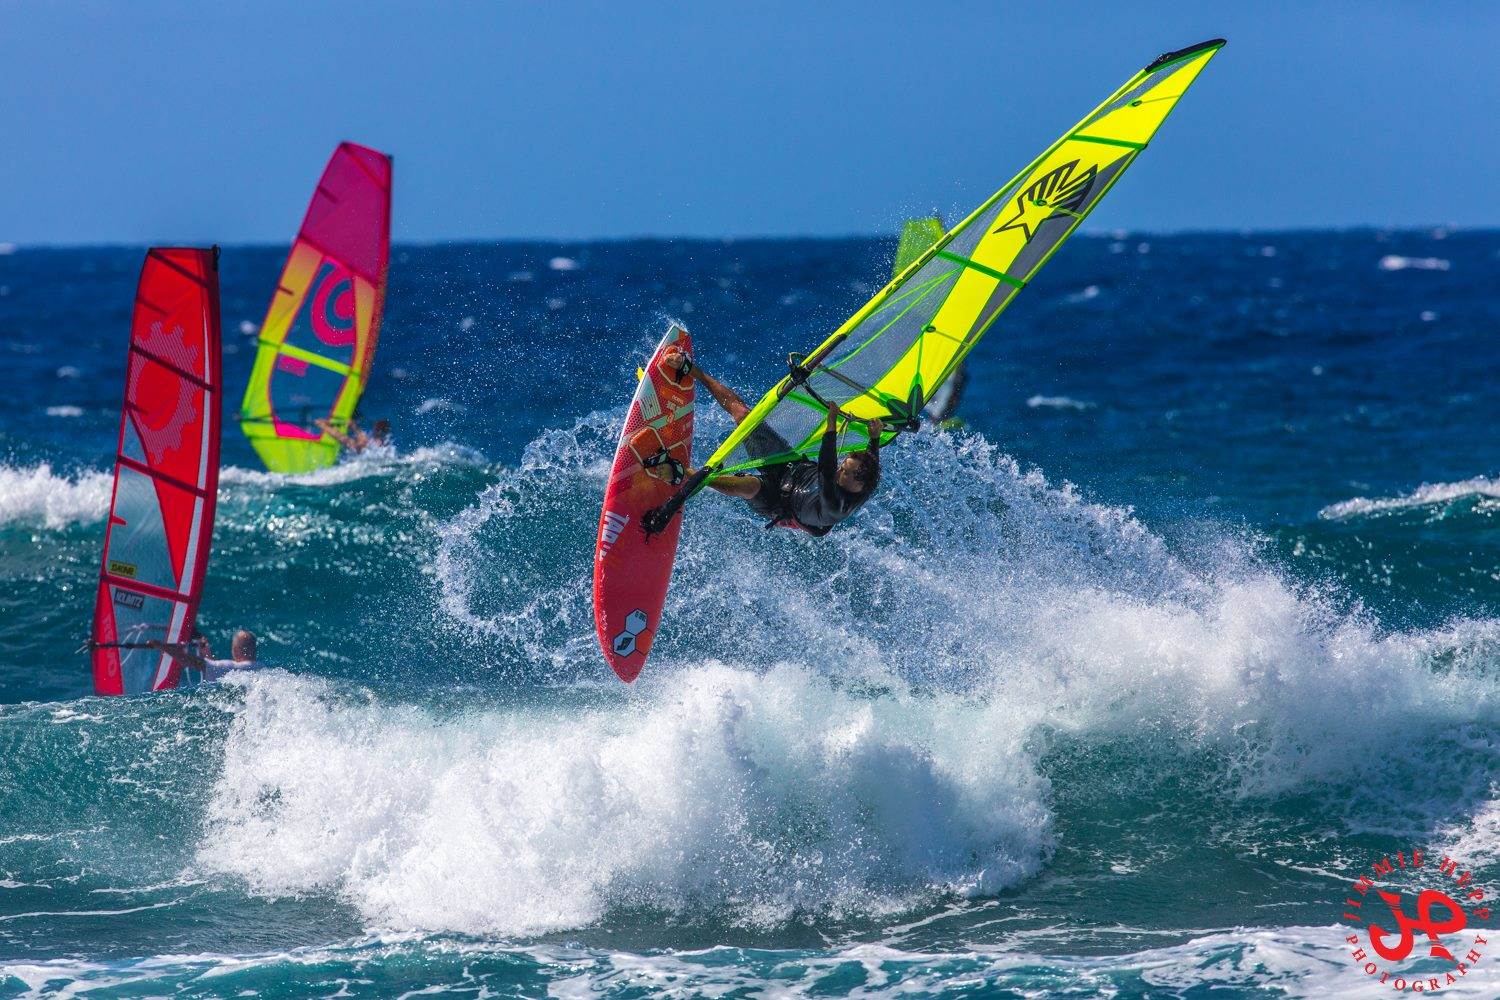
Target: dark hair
{"points": [[869, 469], [381, 429]]}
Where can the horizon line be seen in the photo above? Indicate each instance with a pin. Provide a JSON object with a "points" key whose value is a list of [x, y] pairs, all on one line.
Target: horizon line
{"points": [[11, 247]]}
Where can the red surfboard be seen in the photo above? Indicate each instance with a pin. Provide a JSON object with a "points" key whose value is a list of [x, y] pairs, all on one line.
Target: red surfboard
{"points": [[631, 570]]}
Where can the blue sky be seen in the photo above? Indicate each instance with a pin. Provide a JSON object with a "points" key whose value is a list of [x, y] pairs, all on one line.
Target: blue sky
{"points": [[149, 121]]}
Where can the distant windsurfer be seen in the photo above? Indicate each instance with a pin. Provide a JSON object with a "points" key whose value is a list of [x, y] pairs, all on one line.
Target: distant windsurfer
{"points": [[354, 439], [813, 496], [196, 655]]}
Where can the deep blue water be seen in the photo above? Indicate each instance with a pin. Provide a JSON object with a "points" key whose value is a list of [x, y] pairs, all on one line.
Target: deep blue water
{"points": [[1109, 694]]}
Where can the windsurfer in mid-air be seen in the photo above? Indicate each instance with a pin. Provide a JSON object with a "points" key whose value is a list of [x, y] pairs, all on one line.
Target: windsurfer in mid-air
{"points": [[813, 496], [196, 655], [354, 439]]}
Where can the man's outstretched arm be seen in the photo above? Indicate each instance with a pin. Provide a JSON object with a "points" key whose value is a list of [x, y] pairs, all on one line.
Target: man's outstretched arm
{"points": [[336, 434], [828, 457], [722, 394], [181, 653]]}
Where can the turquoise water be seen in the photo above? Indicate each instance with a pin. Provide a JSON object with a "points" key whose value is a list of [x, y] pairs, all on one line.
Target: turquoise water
{"points": [[1110, 694]]}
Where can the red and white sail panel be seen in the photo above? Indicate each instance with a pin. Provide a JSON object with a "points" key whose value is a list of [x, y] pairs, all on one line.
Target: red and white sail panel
{"points": [[161, 513]]}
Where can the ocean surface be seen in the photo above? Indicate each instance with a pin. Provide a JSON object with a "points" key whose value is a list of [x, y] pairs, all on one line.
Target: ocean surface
{"points": [[1111, 693]]}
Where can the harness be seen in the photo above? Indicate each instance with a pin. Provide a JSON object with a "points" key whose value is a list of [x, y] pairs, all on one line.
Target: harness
{"points": [[784, 515]]}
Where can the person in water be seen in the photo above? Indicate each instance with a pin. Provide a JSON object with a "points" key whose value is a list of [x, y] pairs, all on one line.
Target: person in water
{"points": [[354, 439], [195, 654], [813, 496]]}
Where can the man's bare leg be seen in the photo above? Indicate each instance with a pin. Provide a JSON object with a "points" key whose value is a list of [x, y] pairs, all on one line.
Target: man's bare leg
{"points": [[744, 487], [722, 394]]}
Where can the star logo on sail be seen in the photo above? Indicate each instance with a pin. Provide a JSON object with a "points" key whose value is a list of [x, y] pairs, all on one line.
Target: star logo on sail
{"points": [[1060, 191]]}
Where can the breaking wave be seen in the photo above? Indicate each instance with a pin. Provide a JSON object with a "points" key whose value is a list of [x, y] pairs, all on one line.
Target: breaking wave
{"points": [[1426, 495], [35, 495]]}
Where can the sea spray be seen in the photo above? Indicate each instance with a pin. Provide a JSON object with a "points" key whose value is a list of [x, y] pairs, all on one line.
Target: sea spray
{"points": [[36, 495]]}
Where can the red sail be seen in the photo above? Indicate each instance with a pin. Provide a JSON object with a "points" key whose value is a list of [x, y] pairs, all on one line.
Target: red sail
{"points": [[161, 514]]}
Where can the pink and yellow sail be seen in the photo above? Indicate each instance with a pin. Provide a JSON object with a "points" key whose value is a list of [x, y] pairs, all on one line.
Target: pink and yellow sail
{"points": [[317, 343]]}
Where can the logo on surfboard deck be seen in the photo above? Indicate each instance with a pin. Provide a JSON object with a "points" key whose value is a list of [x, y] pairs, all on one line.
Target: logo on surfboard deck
{"points": [[635, 623], [119, 568], [609, 531], [126, 599], [650, 403], [1397, 919]]}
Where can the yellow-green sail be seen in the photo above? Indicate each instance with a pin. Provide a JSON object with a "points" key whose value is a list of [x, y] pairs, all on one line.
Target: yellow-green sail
{"points": [[893, 354], [917, 237]]}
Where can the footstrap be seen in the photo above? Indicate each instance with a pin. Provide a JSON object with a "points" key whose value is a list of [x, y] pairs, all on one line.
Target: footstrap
{"points": [[664, 457]]}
